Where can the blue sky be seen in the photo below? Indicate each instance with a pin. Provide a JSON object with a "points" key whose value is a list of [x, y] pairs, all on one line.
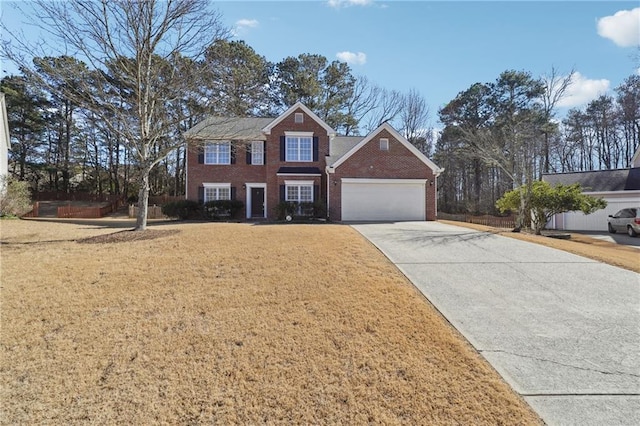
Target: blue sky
{"points": [[441, 48]]}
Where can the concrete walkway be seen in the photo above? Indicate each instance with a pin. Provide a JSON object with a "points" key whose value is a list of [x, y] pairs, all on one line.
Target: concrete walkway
{"points": [[563, 330]]}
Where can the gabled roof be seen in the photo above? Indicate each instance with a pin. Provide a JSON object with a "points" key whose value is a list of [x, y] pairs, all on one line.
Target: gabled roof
{"points": [[386, 126], [298, 105], [599, 180], [229, 128]]}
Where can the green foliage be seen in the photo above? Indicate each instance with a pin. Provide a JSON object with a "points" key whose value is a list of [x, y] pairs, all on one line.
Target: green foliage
{"points": [[183, 209], [219, 209], [15, 198], [546, 201]]}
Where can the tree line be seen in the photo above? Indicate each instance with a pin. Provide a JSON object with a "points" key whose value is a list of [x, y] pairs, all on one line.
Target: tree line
{"points": [[110, 117], [505, 134]]}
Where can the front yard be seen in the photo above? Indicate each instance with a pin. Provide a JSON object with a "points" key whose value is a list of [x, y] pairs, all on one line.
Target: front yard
{"points": [[228, 323]]}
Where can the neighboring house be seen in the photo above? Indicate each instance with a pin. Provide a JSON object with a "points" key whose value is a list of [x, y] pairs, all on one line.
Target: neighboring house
{"points": [[620, 188], [5, 141], [297, 157]]}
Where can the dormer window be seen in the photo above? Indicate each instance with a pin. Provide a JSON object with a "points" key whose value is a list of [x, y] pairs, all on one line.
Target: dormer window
{"points": [[299, 117], [384, 144]]}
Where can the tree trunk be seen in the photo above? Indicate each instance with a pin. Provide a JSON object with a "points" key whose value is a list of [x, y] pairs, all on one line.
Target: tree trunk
{"points": [[143, 201]]}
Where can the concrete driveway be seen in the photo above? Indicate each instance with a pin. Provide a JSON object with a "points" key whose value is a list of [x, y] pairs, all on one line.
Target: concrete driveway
{"points": [[563, 330]]}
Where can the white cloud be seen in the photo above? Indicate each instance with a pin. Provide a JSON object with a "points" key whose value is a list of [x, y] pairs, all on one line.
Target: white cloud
{"points": [[352, 58], [344, 3], [583, 90], [244, 25], [623, 28]]}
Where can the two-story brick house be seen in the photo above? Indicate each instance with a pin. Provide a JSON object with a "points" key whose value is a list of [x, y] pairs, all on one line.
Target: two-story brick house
{"points": [[298, 157]]}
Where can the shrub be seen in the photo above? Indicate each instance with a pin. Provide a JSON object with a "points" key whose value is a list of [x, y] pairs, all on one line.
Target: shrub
{"points": [[296, 210], [15, 198], [218, 209], [183, 209]]}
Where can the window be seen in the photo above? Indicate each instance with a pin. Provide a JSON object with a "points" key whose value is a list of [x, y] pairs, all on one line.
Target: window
{"points": [[384, 144], [299, 148], [217, 192], [217, 153], [299, 117], [299, 193], [257, 153]]}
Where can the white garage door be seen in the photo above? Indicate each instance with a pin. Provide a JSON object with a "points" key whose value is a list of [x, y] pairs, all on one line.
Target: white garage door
{"points": [[383, 199], [596, 221]]}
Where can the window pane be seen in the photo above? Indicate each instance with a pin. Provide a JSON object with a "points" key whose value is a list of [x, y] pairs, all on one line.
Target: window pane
{"points": [[218, 153], [292, 193], [224, 194], [306, 193], [306, 145], [292, 149], [257, 152]]}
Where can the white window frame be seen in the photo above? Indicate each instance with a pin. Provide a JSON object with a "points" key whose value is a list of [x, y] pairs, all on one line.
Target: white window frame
{"points": [[298, 118], [295, 153], [257, 153], [214, 154], [298, 184], [213, 191], [384, 144]]}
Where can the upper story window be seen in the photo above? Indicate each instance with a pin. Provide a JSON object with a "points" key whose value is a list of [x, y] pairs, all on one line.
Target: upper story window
{"points": [[299, 117], [299, 147], [217, 153], [257, 153], [384, 144]]}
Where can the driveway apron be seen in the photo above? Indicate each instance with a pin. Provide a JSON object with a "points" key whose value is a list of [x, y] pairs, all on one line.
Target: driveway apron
{"points": [[562, 330]]}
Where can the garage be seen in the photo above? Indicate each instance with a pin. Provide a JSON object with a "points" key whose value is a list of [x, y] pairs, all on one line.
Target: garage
{"points": [[383, 199], [597, 221]]}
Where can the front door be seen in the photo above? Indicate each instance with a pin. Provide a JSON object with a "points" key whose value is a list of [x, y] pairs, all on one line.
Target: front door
{"points": [[257, 202]]}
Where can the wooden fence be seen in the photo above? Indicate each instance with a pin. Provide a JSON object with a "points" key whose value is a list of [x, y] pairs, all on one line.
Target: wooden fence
{"points": [[487, 220], [81, 212], [74, 196], [34, 210], [153, 212]]}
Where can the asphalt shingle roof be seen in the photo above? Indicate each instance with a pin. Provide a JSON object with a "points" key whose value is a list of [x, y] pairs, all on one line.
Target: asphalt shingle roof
{"points": [[226, 128], [599, 180]]}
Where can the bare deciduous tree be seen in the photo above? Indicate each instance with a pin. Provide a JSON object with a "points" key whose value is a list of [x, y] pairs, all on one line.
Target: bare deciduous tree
{"points": [[135, 52]]}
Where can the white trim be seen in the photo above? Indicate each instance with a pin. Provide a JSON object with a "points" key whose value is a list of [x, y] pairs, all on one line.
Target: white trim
{"points": [[248, 187], [298, 118], [298, 174], [373, 180], [386, 126], [208, 185], [298, 105], [299, 182], [299, 134], [384, 144], [217, 144], [630, 193]]}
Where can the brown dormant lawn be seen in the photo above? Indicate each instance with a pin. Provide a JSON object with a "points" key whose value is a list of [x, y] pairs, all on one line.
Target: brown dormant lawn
{"points": [[228, 324]]}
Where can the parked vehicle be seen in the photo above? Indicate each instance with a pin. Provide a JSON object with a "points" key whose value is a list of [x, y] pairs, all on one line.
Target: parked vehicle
{"points": [[626, 220]]}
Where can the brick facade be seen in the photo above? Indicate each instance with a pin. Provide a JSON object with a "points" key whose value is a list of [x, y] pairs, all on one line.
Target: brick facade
{"points": [[371, 162], [240, 173], [398, 162]]}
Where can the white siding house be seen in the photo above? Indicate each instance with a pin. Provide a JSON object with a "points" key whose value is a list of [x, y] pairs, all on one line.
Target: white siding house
{"points": [[620, 188]]}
